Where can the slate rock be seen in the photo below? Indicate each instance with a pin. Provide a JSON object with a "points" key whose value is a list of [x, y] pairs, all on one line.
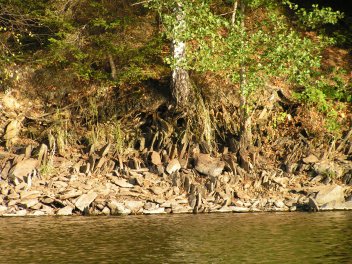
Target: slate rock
{"points": [[310, 159], [3, 209], [23, 168], [330, 193], [118, 208], [28, 203], [173, 166], [85, 200], [122, 183], [238, 209], [279, 204], [37, 213], [70, 194], [333, 206], [155, 158], [134, 206], [67, 210], [313, 205], [160, 210], [329, 168], [207, 165], [18, 213]]}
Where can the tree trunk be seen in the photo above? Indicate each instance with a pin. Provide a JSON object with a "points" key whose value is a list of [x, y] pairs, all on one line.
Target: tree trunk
{"points": [[246, 121], [180, 79], [112, 67], [245, 143]]}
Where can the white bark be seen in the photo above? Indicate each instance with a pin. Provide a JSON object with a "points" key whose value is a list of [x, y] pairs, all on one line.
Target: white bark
{"points": [[180, 77], [246, 120], [233, 19], [112, 66]]}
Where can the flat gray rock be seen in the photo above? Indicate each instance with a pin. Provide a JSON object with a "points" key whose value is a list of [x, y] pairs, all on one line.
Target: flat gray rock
{"points": [[23, 168], [279, 204], [18, 213], [181, 209], [3, 209], [310, 159], [159, 210], [134, 206], [313, 205], [238, 209], [225, 209], [122, 183], [28, 203], [70, 194], [157, 190], [118, 208], [173, 166], [85, 200], [332, 206], [37, 213], [207, 165], [330, 193], [67, 210]]}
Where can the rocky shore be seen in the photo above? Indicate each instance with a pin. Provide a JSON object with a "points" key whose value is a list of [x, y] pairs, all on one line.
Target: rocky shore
{"points": [[101, 184]]}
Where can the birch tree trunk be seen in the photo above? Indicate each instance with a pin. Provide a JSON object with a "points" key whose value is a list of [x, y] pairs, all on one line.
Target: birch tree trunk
{"points": [[246, 120], [180, 79]]}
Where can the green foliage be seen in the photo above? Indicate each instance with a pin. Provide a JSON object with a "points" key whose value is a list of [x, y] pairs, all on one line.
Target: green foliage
{"points": [[80, 37], [316, 17], [267, 48], [314, 95]]}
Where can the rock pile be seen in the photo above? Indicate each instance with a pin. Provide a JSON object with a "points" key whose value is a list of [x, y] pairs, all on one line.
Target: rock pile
{"points": [[102, 185]]}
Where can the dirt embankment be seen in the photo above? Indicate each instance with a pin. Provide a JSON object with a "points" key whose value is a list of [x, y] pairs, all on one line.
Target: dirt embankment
{"points": [[287, 169]]}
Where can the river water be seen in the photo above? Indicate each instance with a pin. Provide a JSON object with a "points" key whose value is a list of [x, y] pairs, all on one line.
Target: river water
{"points": [[206, 238]]}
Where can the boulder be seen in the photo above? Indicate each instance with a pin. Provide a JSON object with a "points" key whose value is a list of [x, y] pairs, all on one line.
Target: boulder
{"points": [[279, 204], [3, 209], [333, 205], [106, 210], [18, 213], [155, 158], [329, 168], [23, 168], [330, 193], [310, 159], [12, 130], [282, 181], [159, 210], [173, 166], [157, 190], [67, 210], [313, 205], [28, 203], [118, 208], [238, 209], [122, 183], [70, 194], [5, 170], [85, 200], [207, 165], [47, 210], [225, 209], [181, 209], [134, 206], [37, 213]]}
